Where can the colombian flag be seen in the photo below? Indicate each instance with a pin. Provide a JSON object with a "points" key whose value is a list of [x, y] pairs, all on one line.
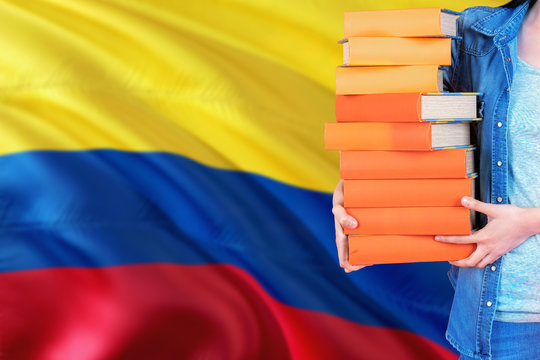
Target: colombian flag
{"points": [[165, 192]]}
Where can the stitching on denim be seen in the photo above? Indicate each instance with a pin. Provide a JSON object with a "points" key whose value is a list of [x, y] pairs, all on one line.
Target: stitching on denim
{"points": [[496, 110], [458, 347], [473, 51], [515, 15], [479, 25], [504, 150], [470, 12], [478, 324]]}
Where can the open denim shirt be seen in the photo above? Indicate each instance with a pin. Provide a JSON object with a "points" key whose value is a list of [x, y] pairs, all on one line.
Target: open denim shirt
{"points": [[483, 61]]}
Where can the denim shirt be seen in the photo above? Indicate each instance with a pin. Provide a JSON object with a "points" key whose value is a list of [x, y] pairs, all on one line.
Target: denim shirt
{"points": [[483, 61]]}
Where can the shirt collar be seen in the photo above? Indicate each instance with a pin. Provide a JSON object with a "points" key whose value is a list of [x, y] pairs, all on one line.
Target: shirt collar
{"points": [[503, 24]]}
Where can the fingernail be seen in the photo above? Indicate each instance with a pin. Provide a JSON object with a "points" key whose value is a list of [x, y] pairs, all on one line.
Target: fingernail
{"points": [[437, 238], [465, 201], [352, 223]]}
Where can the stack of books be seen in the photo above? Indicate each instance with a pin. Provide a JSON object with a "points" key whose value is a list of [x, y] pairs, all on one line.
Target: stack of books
{"points": [[406, 154]]}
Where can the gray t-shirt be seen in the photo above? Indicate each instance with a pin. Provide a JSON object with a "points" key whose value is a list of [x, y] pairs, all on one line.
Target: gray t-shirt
{"points": [[519, 293]]}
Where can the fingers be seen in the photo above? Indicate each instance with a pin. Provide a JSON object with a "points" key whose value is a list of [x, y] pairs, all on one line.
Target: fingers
{"points": [[344, 219], [478, 205], [473, 260], [489, 259], [342, 244], [356, 267], [338, 210], [492, 255], [457, 239]]}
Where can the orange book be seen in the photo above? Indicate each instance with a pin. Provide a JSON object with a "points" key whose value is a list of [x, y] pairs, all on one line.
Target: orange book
{"points": [[411, 221], [397, 51], [406, 192], [441, 164], [386, 249], [405, 107], [401, 22], [395, 136], [388, 79]]}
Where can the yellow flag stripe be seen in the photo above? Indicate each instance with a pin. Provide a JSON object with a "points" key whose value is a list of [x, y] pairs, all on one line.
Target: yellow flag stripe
{"points": [[235, 85]]}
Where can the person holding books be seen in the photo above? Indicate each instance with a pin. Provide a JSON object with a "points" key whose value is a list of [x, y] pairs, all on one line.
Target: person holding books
{"points": [[496, 308]]}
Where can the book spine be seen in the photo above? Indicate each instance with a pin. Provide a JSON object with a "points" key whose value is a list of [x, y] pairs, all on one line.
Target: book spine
{"points": [[396, 22], [351, 80], [387, 249], [379, 108], [397, 51], [378, 136], [406, 192], [411, 221]]}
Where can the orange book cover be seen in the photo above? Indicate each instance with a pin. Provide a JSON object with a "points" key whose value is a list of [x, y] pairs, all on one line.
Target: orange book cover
{"points": [[411, 221], [387, 249], [396, 22], [400, 107], [397, 51], [352, 80], [440, 164], [403, 107], [378, 136], [406, 192]]}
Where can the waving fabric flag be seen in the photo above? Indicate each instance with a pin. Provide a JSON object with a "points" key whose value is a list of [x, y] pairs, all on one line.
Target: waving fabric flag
{"points": [[165, 194]]}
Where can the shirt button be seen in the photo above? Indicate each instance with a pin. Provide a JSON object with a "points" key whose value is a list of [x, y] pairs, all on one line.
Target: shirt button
{"points": [[499, 199], [499, 124], [507, 59], [493, 268], [489, 303], [499, 163], [507, 89]]}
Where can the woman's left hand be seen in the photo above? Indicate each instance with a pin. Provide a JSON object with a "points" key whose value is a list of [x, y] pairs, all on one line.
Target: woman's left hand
{"points": [[507, 227]]}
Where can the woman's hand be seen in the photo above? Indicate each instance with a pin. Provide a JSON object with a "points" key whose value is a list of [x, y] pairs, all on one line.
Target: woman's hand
{"points": [[341, 220], [507, 227]]}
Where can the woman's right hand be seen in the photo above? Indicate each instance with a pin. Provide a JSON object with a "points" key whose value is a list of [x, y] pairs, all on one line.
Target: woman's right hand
{"points": [[342, 220]]}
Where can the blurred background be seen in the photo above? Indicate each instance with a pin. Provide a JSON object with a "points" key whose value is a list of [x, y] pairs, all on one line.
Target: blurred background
{"points": [[165, 192]]}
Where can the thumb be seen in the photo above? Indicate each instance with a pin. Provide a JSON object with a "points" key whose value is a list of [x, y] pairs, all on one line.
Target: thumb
{"points": [[477, 205]]}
